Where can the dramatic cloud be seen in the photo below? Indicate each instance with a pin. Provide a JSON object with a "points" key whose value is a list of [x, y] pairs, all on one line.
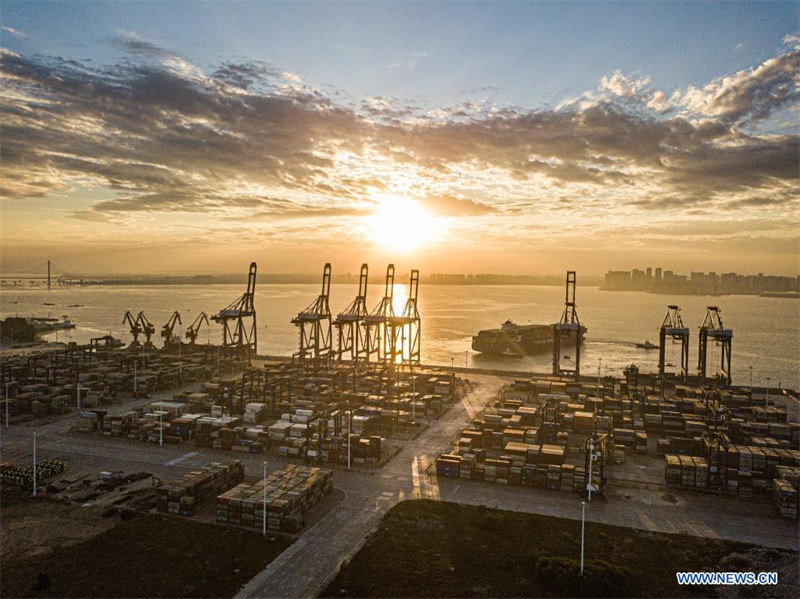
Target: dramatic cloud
{"points": [[250, 141], [748, 95]]}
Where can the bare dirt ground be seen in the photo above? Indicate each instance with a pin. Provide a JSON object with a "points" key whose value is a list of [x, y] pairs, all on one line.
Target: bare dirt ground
{"points": [[37, 527]]}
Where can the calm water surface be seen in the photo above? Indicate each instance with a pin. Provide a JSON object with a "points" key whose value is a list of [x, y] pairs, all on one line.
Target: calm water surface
{"points": [[766, 331]]}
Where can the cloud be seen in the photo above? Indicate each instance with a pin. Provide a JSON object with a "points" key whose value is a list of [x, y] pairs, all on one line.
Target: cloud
{"points": [[247, 139], [14, 32], [448, 205], [748, 95]]}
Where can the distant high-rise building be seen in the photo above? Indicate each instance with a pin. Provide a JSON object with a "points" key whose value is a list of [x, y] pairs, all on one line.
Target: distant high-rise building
{"points": [[649, 273], [618, 280], [658, 274]]}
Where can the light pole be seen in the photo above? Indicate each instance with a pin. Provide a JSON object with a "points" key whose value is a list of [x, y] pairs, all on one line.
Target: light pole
{"points": [[78, 389], [349, 424], [767, 400], [161, 422], [413, 399], [218, 371], [583, 529], [599, 372], [34, 464], [589, 472], [7, 384], [135, 378], [751, 380], [264, 506]]}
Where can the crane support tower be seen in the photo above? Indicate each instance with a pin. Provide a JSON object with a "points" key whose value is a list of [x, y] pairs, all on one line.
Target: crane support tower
{"points": [[350, 333], [136, 330], [712, 327], [566, 329], [404, 330], [376, 323], [167, 329], [194, 328], [673, 328], [314, 324], [238, 321]]}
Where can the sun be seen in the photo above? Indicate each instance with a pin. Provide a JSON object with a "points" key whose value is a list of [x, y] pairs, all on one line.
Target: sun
{"points": [[402, 224]]}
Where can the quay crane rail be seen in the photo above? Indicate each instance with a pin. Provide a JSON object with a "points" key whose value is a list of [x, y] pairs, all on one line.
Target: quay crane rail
{"points": [[712, 327], [239, 336]]}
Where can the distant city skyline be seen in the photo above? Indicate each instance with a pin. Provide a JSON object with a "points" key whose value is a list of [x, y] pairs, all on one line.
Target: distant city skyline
{"points": [[658, 280], [527, 138]]}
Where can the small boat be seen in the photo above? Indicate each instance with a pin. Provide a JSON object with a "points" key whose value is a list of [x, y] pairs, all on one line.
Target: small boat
{"points": [[44, 325], [647, 345]]}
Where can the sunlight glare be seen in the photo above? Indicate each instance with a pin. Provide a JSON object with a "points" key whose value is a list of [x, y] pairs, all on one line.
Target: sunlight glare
{"points": [[402, 224]]}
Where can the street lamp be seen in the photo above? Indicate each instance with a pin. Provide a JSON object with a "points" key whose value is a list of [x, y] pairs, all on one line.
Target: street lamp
{"points": [[583, 529], [413, 399], [34, 464], [751, 381], [349, 424], [264, 505], [7, 384], [161, 422], [767, 399]]}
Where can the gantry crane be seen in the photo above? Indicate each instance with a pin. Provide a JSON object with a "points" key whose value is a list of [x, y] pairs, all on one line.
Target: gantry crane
{"points": [[351, 336], [133, 324], [147, 328], [194, 328], [712, 327], [566, 329], [376, 323], [166, 330], [314, 324], [673, 328], [404, 330], [236, 333]]}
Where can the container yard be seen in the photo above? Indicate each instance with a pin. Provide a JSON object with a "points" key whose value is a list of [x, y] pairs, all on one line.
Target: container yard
{"points": [[185, 494], [286, 495], [218, 434], [541, 433]]}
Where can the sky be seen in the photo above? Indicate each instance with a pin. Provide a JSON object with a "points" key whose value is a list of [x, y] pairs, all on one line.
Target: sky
{"points": [[472, 137]]}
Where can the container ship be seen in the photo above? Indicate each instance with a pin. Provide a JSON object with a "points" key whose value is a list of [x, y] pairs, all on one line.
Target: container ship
{"points": [[517, 340]]}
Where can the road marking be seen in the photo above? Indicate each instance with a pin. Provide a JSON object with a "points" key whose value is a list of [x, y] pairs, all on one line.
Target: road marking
{"points": [[648, 523], [180, 459]]}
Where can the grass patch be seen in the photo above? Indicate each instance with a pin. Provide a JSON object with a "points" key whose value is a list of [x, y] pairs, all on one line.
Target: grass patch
{"points": [[146, 556], [427, 548]]}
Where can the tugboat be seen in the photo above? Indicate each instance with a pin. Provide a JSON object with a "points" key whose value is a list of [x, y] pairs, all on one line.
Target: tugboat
{"points": [[647, 345]]}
